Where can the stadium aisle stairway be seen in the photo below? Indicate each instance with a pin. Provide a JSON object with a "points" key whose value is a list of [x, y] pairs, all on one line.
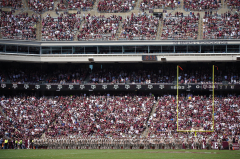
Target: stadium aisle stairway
{"points": [[160, 28], [146, 131], [200, 29]]}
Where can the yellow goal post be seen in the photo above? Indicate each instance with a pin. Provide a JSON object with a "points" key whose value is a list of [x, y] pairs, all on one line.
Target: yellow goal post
{"points": [[212, 105]]}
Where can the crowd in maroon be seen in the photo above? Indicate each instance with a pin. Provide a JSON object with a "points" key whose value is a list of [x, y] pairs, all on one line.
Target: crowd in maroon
{"points": [[75, 4], [224, 26], [163, 4], [121, 116], [103, 116], [195, 113], [15, 4], [139, 27], [29, 116], [116, 6], [196, 5], [180, 27], [63, 27], [40, 6], [66, 27], [18, 27], [80, 116], [99, 28], [233, 4]]}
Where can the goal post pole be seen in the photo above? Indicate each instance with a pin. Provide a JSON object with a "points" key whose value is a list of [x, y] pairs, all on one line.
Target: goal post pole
{"points": [[213, 98], [213, 86], [177, 94]]}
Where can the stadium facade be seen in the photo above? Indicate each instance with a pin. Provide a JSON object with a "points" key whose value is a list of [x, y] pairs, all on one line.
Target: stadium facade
{"points": [[120, 51], [119, 81]]}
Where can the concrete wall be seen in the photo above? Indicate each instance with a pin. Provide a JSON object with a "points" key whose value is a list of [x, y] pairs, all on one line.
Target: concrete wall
{"points": [[117, 58]]}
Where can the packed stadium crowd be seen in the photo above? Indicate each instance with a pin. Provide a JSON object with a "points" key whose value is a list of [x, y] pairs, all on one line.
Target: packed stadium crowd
{"points": [[195, 5], [120, 74], [180, 27], [233, 4], [79, 116], [163, 75], [116, 6], [64, 27], [92, 122], [15, 4], [139, 27], [103, 116], [161, 4], [99, 27], [225, 26], [75, 4], [133, 27], [53, 75], [40, 6], [196, 113], [18, 27]]}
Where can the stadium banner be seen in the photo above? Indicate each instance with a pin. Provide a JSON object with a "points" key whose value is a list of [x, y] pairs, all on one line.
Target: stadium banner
{"points": [[214, 145], [235, 146], [225, 145], [117, 87]]}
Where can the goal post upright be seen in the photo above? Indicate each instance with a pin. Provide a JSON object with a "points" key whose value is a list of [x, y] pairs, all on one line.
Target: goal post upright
{"points": [[177, 94], [213, 98], [213, 86]]}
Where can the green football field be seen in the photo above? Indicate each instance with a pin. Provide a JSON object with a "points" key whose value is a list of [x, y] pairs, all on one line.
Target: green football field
{"points": [[119, 154]]}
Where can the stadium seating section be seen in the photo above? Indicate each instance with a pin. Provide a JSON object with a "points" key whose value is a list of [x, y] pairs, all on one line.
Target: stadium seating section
{"points": [[88, 20], [119, 116], [120, 74]]}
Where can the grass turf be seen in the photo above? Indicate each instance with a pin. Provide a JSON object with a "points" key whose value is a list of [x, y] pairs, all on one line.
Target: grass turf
{"points": [[119, 154]]}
